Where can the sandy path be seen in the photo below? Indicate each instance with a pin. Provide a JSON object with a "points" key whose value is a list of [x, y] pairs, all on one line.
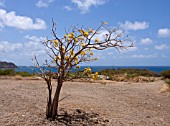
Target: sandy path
{"points": [[22, 102]]}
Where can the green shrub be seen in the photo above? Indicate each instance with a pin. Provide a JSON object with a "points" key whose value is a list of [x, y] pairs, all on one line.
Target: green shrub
{"points": [[129, 72], [107, 72], [24, 74], [166, 73], [137, 72], [9, 72], [168, 82]]}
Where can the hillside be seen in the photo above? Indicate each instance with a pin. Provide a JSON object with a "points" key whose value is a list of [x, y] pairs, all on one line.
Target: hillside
{"points": [[7, 65]]}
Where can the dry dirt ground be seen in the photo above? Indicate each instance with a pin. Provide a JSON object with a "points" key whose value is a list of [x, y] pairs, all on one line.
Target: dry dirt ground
{"points": [[23, 102]]}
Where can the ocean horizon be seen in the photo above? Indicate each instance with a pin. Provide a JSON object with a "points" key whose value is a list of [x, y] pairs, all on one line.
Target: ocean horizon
{"points": [[158, 69]]}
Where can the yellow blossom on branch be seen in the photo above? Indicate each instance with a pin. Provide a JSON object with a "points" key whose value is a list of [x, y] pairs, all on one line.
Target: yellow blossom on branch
{"points": [[76, 58], [105, 23], [97, 40], [71, 35], [58, 57], [71, 52], [96, 73], [55, 41], [95, 76], [83, 53], [78, 67], [83, 44], [65, 36], [63, 49], [90, 30], [95, 58], [91, 53], [68, 39], [67, 58], [88, 71], [90, 49], [86, 34], [76, 40]]}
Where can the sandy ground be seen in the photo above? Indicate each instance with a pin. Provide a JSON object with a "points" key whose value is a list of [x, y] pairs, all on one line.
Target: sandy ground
{"points": [[23, 102]]}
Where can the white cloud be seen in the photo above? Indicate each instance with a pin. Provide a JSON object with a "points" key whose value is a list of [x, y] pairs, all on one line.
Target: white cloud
{"points": [[146, 41], [35, 38], [132, 49], [43, 3], [68, 8], [165, 32], [161, 47], [21, 22], [2, 3], [22, 53], [85, 5], [145, 56], [5, 46], [101, 35], [33, 43], [135, 25]]}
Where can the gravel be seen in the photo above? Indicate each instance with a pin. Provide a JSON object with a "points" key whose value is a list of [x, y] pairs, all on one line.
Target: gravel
{"points": [[23, 103]]}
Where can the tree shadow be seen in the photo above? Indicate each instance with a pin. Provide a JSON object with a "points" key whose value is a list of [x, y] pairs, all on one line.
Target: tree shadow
{"points": [[80, 118]]}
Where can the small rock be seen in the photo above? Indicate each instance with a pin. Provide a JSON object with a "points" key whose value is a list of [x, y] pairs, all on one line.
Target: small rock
{"points": [[148, 117]]}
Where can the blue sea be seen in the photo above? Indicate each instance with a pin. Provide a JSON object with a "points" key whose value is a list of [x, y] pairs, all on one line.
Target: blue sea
{"points": [[158, 69]]}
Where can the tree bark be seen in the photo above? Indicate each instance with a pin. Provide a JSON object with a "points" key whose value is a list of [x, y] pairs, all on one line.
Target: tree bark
{"points": [[49, 100], [56, 98]]}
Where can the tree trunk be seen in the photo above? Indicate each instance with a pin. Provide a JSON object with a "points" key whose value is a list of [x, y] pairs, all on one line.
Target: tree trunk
{"points": [[49, 101], [56, 98]]}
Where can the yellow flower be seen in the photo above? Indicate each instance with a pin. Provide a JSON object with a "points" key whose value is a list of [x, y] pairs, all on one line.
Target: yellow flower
{"points": [[90, 31], [56, 44], [97, 40], [83, 53], [78, 67], [71, 52], [65, 36], [67, 58], [86, 34], [87, 70], [76, 58], [58, 57], [63, 49], [68, 39], [76, 40], [96, 73], [91, 53], [90, 49], [81, 31], [71, 35], [55, 41], [94, 77], [82, 44], [104, 22], [88, 59], [95, 58]]}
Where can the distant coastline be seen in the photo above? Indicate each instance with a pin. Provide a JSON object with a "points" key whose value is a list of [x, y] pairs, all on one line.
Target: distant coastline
{"points": [[7, 65], [157, 69]]}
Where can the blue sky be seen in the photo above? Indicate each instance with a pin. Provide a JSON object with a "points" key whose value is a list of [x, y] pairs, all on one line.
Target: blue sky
{"points": [[24, 23]]}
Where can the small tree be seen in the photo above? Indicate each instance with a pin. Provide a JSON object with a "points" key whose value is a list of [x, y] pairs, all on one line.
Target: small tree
{"points": [[73, 48]]}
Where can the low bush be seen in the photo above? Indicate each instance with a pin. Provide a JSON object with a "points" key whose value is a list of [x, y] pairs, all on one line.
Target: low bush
{"points": [[12, 72], [129, 73], [165, 74], [24, 74], [168, 82], [9, 72]]}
